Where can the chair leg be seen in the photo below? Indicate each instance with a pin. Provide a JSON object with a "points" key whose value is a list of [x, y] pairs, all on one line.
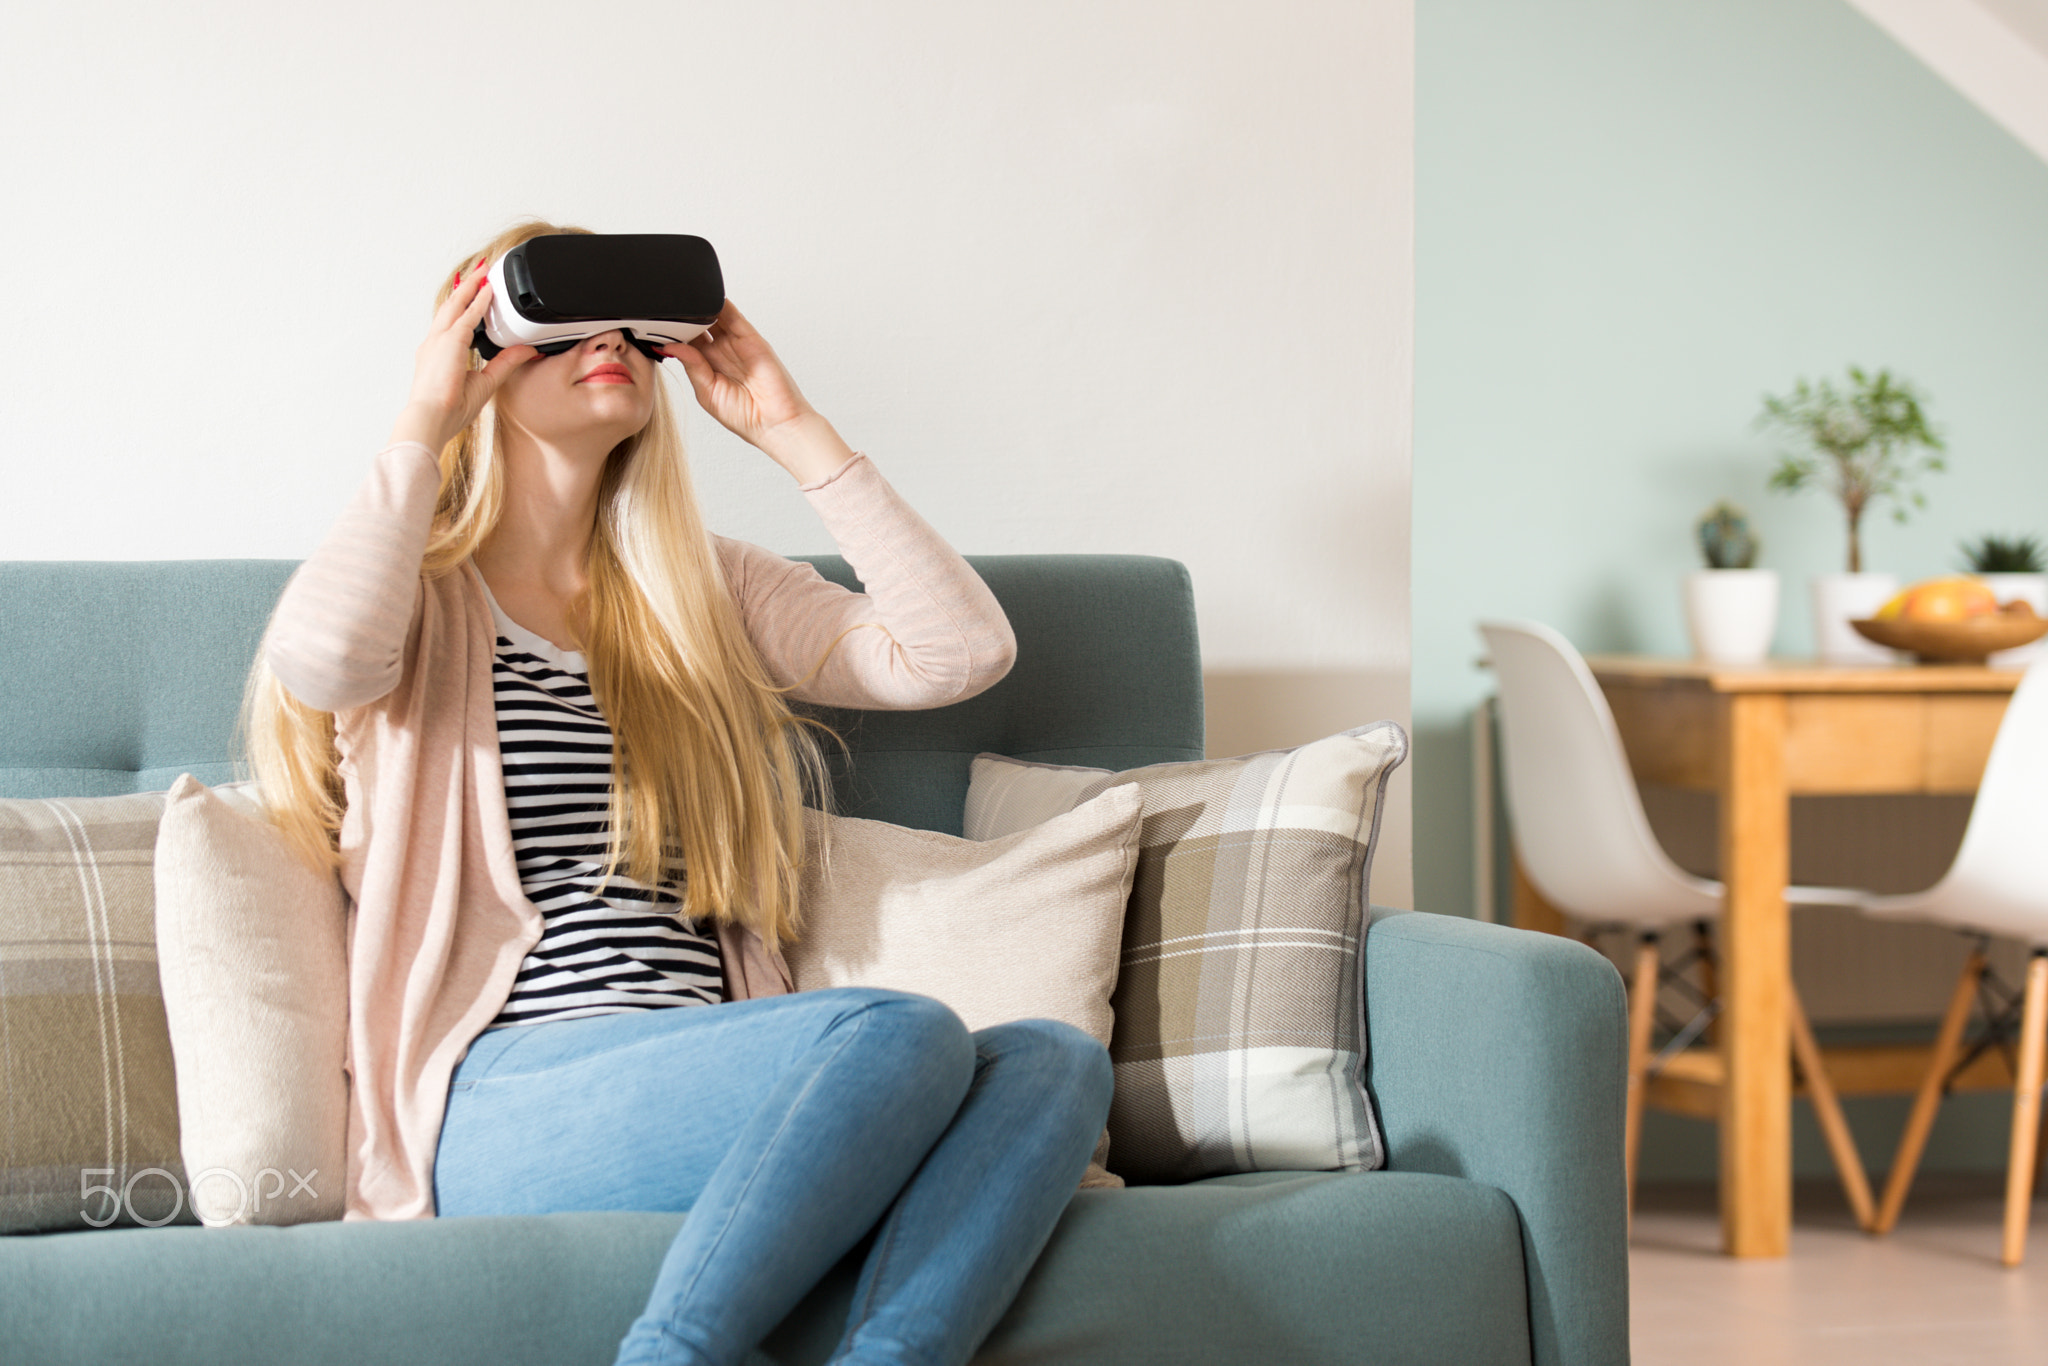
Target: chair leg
{"points": [[1828, 1110], [2026, 1109], [2041, 1152], [1642, 1018], [1710, 976], [1913, 1142]]}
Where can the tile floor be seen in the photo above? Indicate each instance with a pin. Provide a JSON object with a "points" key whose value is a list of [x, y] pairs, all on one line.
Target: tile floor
{"points": [[1933, 1292]]}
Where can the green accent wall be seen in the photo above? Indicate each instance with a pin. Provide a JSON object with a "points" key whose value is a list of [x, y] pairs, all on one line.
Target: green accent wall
{"points": [[1632, 220]]}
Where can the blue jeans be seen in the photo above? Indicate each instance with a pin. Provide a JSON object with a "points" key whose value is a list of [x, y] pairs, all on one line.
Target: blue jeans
{"points": [[787, 1127]]}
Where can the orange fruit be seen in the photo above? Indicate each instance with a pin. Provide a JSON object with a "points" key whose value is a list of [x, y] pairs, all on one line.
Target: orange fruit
{"points": [[1954, 597]]}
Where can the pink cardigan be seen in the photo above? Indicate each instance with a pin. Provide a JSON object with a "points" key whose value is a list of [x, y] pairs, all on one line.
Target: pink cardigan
{"points": [[438, 925]]}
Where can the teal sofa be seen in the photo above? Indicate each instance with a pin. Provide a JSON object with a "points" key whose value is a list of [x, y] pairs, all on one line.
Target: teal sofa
{"points": [[1496, 1235]]}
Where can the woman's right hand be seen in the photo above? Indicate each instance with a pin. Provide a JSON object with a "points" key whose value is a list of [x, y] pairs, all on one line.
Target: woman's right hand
{"points": [[446, 394]]}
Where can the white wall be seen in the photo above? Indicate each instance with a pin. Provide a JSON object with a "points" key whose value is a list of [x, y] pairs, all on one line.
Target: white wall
{"points": [[1131, 277]]}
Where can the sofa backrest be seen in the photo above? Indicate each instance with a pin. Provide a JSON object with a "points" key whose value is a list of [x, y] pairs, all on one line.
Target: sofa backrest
{"points": [[117, 676]]}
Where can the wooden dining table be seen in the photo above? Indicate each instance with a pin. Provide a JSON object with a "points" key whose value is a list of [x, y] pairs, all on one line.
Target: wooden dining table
{"points": [[1757, 736]]}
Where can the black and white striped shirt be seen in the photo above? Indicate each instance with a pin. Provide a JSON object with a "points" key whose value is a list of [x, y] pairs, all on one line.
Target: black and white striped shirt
{"points": [[600, 952]]}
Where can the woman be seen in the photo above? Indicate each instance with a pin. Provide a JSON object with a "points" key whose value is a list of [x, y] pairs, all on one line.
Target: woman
{"points": [[537, 717]]}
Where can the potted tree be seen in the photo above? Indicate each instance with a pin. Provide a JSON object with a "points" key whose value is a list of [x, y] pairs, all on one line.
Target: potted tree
{"points": [[2014, 567], [1731, 606], [1866, 443]]}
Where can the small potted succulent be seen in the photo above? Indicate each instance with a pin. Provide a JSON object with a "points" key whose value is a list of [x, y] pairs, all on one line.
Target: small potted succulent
{"points": [[1731, 606], [2014, 567], [1866, 443]]}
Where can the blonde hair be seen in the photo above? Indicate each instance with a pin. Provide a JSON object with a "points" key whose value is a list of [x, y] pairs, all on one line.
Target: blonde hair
{"points": [[708, 760]]}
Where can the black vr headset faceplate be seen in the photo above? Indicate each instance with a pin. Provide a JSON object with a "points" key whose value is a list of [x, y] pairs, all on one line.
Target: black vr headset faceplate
{"points": [[552, 292]]}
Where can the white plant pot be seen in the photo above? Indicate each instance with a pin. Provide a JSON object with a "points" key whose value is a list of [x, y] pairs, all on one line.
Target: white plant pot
{"points": [[1731, 614], [2033, 590], [1839, 599]]}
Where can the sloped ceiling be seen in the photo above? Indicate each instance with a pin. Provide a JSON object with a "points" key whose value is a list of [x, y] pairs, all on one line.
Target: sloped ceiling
{"points": [[2027, 18], [1994, 51]]}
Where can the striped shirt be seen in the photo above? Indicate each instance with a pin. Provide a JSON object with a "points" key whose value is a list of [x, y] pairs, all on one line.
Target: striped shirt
{"points": [[600, 951]]}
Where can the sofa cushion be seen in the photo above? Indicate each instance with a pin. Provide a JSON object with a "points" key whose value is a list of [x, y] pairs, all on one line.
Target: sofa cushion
{"points": [[1023, 928], [254, 964], [87, 1096], [1240, 1011], [1017, 928], [1302, 1268]]}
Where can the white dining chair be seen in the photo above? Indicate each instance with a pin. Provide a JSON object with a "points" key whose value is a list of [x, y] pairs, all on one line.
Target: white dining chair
{"points": [[1583, 840], [1997, 886]]}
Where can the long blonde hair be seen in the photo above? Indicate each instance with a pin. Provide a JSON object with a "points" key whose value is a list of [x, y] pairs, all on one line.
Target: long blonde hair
{"points": [[708, 760]]}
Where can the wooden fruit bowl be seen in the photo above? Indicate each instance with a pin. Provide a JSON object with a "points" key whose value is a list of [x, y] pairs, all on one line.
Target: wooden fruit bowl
{"points": [[1969, 641]]}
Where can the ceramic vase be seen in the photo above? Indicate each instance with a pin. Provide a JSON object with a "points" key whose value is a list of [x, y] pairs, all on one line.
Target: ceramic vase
{"points": [[1839, 599], [2033, 590], [1731, 614]]}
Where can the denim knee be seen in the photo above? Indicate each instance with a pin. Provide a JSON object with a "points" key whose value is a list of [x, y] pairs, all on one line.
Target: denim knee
{"points": [[1059, 1050], [925, 1026]]}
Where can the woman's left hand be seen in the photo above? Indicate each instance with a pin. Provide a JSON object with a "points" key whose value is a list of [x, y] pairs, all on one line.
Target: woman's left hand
{"points": [[739, 380]]}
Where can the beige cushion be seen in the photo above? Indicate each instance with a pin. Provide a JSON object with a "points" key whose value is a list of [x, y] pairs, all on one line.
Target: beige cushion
{"points": [[1014, 795], [1020, 928], [86, 1091], [1240, 1011], [251, 948]]}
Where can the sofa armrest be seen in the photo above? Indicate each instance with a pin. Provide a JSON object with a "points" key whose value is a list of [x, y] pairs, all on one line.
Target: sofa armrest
{"points": [[1499, 1055]]}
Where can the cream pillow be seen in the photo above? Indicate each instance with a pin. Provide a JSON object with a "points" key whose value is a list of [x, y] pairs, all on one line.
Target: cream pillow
{"points": [[251, 946], [1005, 798], [1026, 927]]}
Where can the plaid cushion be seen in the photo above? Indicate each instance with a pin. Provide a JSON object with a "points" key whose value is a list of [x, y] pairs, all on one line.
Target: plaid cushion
{"points": [[87, 1094], [1240, 1007]]}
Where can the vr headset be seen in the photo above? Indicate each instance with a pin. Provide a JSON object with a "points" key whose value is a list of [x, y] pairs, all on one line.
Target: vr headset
{"points": [[552, 292]]}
